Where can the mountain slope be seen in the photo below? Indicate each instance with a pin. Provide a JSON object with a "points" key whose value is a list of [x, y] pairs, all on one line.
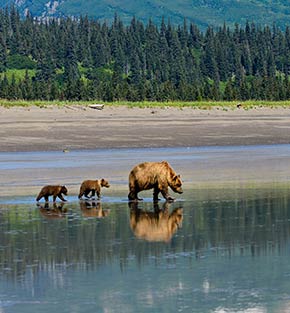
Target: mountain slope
{"points": [[200, 12]]}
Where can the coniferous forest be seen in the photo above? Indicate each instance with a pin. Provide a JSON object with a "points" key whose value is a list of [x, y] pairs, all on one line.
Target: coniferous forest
{"points": [[84, 59]]}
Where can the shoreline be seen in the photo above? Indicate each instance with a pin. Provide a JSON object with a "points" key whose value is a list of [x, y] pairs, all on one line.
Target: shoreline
{"points": [[208, 168], [81, 128], [207, 147]]}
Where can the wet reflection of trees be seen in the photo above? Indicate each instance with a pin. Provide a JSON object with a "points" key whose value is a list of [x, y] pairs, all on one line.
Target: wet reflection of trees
{"points": [[35, 238], [251, 224], [73, 236]]}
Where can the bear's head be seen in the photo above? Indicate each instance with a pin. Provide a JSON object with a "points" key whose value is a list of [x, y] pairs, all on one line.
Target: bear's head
{"points": [[63, 190], [105, 183], [176, 184]]}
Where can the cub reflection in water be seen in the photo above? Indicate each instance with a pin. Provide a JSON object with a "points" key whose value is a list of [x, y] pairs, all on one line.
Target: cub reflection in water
{"points": [[159, 225], [52, 211], [93, 209]]}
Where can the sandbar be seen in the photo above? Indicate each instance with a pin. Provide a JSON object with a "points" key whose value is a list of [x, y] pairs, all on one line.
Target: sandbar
{"points": [[80, 128], [67, 145]]}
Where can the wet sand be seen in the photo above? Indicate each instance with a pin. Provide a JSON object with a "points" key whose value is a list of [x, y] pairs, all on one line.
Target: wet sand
{"points": [[208, 168], [207, 147], [80, 128]]}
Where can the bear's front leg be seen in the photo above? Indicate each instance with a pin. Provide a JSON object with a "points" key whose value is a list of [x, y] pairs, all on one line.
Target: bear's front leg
{"points": [[60, 197], [166, 195]]}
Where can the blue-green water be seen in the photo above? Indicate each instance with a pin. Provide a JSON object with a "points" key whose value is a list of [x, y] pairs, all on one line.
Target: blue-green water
{"points": [[218, 251], [222, 246]]}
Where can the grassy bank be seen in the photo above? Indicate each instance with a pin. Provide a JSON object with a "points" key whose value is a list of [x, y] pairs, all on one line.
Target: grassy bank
{"points": [[204, 105]]}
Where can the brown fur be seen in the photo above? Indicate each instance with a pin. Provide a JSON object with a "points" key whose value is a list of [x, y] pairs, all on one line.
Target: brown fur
{"points": [[93, 209], [156, 175], [159, 225], [51, 190], [93, 186]]}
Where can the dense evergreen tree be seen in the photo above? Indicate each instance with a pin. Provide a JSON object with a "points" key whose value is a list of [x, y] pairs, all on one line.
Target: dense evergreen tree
{"points": [[83, 59]]}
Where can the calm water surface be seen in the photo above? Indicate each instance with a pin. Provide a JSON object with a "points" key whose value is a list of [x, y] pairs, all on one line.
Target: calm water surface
{"points": [[219, 251], [223, 249]]}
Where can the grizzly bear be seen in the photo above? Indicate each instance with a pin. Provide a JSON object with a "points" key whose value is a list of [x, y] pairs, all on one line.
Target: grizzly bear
{"points": [[159, 225], [156, 175], [93, 186], [52, 190]]}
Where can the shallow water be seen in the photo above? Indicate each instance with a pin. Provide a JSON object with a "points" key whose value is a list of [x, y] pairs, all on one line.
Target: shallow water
{"points": [[26, 172], [229, 253], [217, 248]]}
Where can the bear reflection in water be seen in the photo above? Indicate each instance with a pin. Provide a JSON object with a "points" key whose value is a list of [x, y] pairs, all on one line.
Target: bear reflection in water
{"points": [[93, 209], [52, 211], [159, 225]]}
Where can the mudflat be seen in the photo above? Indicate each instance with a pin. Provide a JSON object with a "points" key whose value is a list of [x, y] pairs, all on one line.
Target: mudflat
{"points": [[79, 128], [207, 147]]}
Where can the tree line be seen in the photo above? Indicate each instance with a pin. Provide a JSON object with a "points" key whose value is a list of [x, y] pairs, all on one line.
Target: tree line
{"points": [[84, 59]]}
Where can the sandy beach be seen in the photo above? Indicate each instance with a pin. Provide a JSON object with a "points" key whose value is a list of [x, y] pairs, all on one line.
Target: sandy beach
{"points": [[207, 147], [79, 128]]}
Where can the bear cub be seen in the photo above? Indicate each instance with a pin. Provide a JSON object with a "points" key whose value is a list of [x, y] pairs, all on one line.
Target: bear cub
{"points": [[52, 190], [93, 186]]}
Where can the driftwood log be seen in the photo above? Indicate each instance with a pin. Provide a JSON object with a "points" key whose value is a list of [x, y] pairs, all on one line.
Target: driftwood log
{"points": [[96, 106]]}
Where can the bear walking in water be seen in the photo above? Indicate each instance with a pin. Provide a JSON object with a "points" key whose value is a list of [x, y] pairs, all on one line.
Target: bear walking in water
{"points": [[93, 186], [156, 175], [51, 190]]}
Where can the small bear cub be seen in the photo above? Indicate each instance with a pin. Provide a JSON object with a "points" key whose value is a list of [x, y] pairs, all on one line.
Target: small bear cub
{"points": [[93, 186], [51, 190]]}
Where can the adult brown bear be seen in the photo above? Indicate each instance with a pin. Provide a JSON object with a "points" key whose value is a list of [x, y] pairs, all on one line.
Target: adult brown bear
{"points": [[52, 190], [159, 225], [93, 186], [156, 175]]}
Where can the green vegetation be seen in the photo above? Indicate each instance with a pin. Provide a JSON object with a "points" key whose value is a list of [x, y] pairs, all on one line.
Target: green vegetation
{"points": [[85, 60], [202, 105]]}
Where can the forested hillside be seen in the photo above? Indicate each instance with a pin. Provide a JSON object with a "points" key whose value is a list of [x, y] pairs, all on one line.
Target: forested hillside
{"points": [[85, 59], [201, 12]]}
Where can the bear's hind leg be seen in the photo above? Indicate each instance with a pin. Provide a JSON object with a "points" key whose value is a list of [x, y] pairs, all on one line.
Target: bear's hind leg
{"points": [[87, 192], [133, 196], [39, 197], [81, 194]]}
